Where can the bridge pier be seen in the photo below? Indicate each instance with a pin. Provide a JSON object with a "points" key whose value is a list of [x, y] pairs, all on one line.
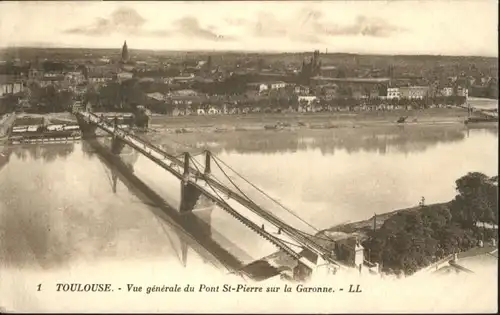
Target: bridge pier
{"points": [[191, 197], [117, 145]]}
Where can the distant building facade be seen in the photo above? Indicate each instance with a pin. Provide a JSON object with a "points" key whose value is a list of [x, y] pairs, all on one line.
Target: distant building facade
{"points": [[10, 85], [308, 99], [447, 91], [301, 89], [54, 80], [100, 78], [329, 71], [277, 85], [464, 92], [414, 92], [393, 93], [122, 76]]}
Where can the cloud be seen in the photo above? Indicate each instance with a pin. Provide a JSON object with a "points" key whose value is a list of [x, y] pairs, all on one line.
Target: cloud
{"points": [[364, 26], [235, 21], [268, 25], [127, 16], [190, 26], [306, 26], [312, 26], [123, 20], [306, 38], [128, 21]]}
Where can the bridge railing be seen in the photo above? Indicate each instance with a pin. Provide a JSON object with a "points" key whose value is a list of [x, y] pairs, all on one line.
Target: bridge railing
{"points": [[141, 140]]}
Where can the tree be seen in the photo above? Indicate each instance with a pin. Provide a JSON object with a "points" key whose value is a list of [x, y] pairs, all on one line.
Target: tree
{"points": [[436, 218], [126, 95], [64, 100], [477, 200]]}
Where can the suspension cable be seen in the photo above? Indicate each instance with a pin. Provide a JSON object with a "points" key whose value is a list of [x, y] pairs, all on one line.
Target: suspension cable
{"points": [[289, 243], [304, 234], [249, 199], [265, 194], [212, 175], [316, 236], [225, 203], [232, 182]]}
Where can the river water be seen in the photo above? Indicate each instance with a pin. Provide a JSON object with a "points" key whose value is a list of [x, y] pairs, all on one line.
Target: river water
{"points": [[62, 205]]}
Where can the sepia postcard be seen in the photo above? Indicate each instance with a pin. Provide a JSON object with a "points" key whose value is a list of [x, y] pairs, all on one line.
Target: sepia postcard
{"points": [[249, 156]]}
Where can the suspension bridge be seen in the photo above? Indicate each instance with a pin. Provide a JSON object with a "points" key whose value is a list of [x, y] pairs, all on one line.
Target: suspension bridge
{"points": [[201, 189]]}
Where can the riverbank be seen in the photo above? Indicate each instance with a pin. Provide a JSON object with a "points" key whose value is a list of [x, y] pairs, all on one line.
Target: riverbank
{"points": [[292, 121], [288, 121]]}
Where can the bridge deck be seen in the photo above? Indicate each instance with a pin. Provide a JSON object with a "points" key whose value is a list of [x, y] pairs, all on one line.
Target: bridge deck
{"points": [[250, 214]]}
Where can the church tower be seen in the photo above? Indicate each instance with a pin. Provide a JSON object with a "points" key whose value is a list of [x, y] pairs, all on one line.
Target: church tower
{"points": [[125, 52]]}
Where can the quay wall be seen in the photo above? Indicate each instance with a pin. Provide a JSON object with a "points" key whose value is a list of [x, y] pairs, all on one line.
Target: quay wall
{"points": [[6, 122]]}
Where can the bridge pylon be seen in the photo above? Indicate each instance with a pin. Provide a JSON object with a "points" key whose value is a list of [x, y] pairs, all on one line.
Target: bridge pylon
{"points": [[88, 129], [191, 197], [208, 160]]}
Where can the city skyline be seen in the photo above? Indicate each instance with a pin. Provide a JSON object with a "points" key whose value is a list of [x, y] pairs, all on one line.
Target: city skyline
{"points": [[381, 27]]}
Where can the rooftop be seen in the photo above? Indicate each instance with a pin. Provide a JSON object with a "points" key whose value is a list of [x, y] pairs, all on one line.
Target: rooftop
{"points": [[185, 92], [353, 80], [414, 87], [53, 78], [8, 78]]}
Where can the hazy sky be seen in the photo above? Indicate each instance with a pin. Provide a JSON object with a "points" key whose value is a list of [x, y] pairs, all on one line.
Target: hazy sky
{"points": [[453, 27]]}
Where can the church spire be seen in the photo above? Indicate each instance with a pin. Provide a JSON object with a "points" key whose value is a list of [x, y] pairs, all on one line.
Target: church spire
{"points": [[125, 52]]}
